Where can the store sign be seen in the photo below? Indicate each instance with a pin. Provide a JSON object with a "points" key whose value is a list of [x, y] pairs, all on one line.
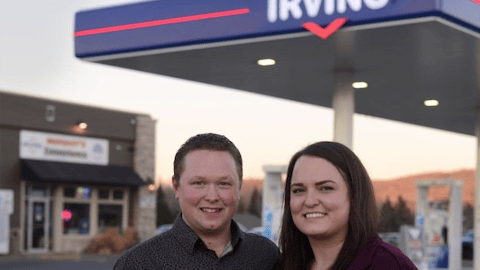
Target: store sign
{"points": [[311, 8], [63, 148]]}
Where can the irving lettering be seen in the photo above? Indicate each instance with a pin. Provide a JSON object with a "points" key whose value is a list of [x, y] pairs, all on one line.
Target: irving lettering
{"points": [[284, 8]]}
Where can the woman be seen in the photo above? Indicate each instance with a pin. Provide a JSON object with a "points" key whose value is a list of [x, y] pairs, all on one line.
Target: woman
{"points": [[330, 215]]}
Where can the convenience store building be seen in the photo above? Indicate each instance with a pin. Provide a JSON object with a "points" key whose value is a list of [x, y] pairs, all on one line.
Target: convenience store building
{"points": [[74, 171]]}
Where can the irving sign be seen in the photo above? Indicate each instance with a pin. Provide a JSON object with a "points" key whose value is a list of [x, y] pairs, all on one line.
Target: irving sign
{"points": [[283, 8], [63, 148]]}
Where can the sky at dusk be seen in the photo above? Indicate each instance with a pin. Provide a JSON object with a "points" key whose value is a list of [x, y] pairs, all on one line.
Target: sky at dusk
{"points": [[37, 59]]}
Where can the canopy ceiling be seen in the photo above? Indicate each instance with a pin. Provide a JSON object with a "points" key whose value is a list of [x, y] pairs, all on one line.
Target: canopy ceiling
{"points": [[407, 52]]}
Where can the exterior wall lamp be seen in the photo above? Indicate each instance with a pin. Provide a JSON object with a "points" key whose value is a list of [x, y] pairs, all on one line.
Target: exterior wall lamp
{"points": [[82, 124]]}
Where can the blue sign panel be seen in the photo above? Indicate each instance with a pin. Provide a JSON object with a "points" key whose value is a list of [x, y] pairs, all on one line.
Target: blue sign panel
{"points": [[162, 23], [467, 11], [419, 220]]}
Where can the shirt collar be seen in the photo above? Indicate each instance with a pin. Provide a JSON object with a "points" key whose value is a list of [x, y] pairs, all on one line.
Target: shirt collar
{"points": [[188, 238], [237, 234]]}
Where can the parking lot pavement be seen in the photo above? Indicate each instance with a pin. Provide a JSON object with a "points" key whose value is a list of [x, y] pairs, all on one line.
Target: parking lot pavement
{"points": [[55, 263], [91, 262]]}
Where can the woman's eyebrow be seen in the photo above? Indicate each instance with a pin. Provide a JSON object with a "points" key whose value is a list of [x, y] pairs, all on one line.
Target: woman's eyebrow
{"points": [[324, 182], [319, 183], [297, 184]]}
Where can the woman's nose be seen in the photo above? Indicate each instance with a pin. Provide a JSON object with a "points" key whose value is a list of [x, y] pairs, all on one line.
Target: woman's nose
{"points": [[311, 199]]}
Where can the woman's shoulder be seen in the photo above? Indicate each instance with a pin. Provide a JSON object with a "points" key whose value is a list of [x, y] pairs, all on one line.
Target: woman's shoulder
{"points": [[387, 256]]}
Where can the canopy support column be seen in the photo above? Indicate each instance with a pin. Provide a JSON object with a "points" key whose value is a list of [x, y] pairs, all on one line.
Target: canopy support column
{"points": [[343, 104], [455, 226]]}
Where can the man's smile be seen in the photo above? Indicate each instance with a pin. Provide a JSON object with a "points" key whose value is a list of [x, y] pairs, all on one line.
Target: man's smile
{"points": [[211, 210]]}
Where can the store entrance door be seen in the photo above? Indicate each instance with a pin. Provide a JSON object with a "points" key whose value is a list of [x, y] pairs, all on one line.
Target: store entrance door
{"points": [[38, 224]]}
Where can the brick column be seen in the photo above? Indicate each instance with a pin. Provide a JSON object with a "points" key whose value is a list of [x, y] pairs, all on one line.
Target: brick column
{"points": [[144, 165]]}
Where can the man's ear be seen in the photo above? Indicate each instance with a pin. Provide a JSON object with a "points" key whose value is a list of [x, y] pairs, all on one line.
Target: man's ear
{"points": [[175, 186]]}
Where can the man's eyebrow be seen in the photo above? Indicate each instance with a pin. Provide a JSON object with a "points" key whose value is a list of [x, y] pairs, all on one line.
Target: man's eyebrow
{"points": [[202, 178], [197, 178]]}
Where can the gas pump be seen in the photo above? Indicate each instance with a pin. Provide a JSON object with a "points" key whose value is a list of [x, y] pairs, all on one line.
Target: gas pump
{"points": [[272, 201], [431, 222]]}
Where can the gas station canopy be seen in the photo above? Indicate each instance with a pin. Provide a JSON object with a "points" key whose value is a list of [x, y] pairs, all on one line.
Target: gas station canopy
{"points": [[408, 51]]}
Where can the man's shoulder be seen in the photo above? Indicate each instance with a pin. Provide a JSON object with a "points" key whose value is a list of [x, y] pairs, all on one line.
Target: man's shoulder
{"points": [[254, 252], [157, 242], [259, 242], [142, 254]]}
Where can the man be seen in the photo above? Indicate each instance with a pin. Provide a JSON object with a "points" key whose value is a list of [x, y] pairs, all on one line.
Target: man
{"points": [[207, 181]]}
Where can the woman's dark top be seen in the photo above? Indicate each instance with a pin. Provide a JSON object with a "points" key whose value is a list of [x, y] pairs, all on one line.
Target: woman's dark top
{"points": [[376, 255]]}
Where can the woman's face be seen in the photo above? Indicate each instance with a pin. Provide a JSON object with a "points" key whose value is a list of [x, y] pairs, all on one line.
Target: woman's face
{"points": [[319, 200]]}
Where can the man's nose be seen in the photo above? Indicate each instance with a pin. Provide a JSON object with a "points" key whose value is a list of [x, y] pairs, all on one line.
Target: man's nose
{"points": [[212, 193]]}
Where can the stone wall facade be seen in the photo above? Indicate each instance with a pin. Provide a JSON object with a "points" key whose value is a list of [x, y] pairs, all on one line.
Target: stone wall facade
{"points": [[145, 214]]}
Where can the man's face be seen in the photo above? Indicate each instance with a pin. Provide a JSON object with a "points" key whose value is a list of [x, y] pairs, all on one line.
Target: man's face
{"points": [[209, 191]]}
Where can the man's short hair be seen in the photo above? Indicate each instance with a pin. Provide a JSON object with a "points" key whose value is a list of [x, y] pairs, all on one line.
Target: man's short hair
{"points": [[206, 141]]}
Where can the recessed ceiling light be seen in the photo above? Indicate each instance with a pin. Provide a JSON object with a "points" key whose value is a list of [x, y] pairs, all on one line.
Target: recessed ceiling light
{"points": [[359, 85], [431, 102], [266, 62]]}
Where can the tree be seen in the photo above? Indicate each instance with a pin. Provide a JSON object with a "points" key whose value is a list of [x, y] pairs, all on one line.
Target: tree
{"points": [[172, 203], [387, 217], [163, 213], [241, 206], [403, 213], [392, 217], [255, 207]]}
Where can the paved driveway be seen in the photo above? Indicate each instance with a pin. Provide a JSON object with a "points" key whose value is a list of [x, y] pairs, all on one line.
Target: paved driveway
{"points": [[85, 263], [92, 263]]}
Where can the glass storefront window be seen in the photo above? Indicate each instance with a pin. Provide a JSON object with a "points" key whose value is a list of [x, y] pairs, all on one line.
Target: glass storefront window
{"points": [[39, 191], [118, 194], [77, 192], [103, 193], [109, 216], [83, 193], [75, 218], [36, 190], [69, 192]]}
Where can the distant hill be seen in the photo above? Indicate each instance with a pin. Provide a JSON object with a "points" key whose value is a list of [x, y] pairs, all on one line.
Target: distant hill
{"points": [[404, 186]]}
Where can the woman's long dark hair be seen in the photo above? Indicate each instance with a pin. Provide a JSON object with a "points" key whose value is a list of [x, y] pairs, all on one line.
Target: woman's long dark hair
{"points": [[363, 218]]}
